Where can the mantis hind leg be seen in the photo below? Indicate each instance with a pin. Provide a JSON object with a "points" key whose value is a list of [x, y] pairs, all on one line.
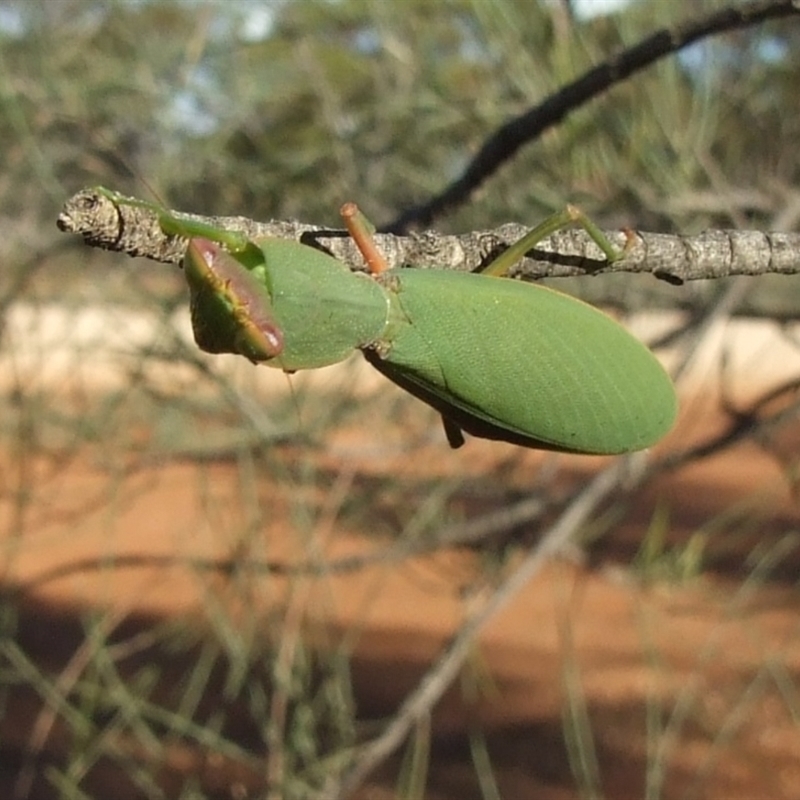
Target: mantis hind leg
{"points": [[571, 215]]}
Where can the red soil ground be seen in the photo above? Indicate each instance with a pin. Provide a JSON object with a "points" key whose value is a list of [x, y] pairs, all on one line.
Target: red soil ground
{"points": [[723, 645]]}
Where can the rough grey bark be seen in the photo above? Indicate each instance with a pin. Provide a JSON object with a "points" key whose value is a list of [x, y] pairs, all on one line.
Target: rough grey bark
{"points": [[134, 229]]}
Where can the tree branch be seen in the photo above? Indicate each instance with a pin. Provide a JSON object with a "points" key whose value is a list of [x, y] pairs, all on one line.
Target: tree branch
{"points": [[509, 138], [135, 230]]}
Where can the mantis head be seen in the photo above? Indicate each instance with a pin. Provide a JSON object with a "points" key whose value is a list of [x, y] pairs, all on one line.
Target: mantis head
{"points": [[231, 309]]}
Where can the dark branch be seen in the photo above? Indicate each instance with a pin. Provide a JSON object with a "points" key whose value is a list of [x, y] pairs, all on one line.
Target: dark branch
{"points": [[505, 142]]}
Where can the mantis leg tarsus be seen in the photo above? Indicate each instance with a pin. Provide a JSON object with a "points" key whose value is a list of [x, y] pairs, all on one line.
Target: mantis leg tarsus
{"points": [[630, 241], [454, 434]]}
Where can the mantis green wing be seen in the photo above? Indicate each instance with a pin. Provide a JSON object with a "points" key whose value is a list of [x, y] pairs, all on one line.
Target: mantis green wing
{"points": [[522, 363]]}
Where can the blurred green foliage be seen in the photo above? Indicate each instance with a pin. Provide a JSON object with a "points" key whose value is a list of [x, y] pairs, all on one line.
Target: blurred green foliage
{"points": [[285, 109]]}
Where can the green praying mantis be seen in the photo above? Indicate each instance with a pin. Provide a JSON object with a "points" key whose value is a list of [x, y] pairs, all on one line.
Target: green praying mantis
{"points": [[498, 358]]}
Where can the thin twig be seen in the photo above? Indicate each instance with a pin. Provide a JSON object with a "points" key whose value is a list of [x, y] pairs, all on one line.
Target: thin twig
{"points": [[746, 423], [508, 139], [135, 230], [441, 675]]}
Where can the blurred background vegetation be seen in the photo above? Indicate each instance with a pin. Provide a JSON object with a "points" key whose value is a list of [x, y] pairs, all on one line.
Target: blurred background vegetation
{"points": [[285, 109]]}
